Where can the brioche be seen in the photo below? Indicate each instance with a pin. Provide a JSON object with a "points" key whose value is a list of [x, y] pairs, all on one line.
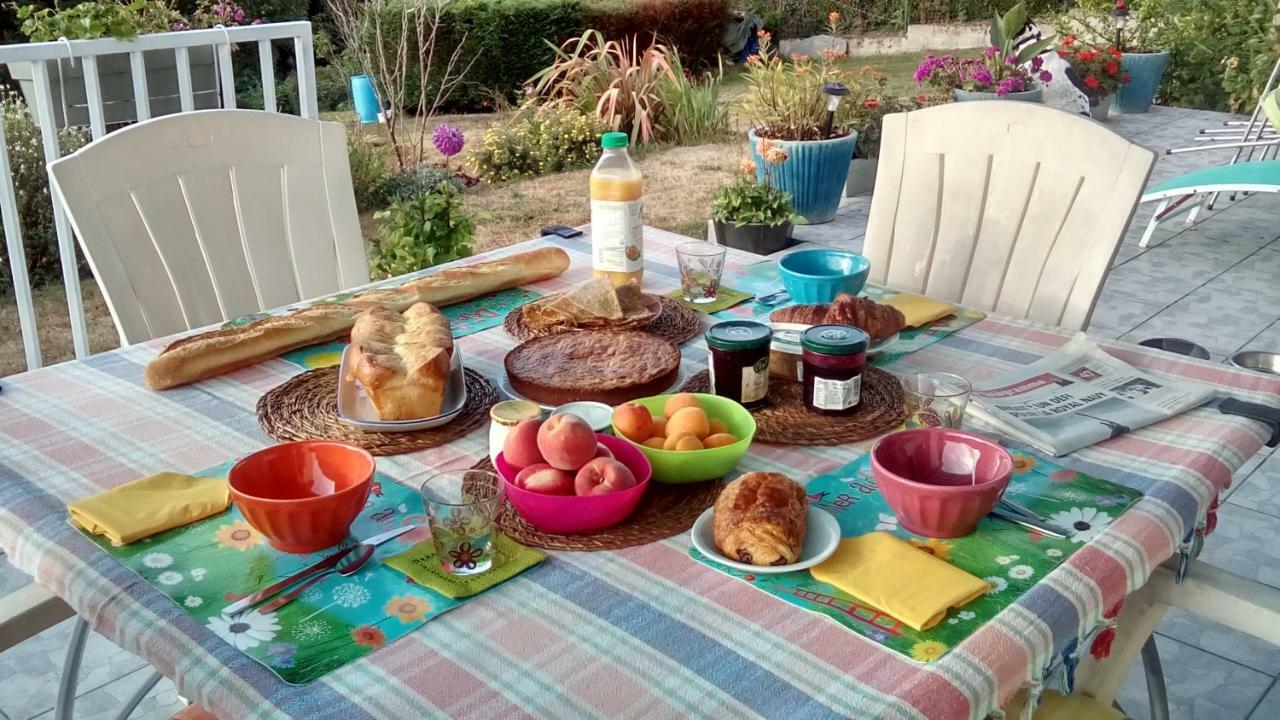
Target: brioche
{"points": [[402, 360]]}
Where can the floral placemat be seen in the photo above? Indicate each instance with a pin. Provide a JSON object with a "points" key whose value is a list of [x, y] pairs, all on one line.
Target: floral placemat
{"points": [[207, 565], [1010, 558], [726, 297]]}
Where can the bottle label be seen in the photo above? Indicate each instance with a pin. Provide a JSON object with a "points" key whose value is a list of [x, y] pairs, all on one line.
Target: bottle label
{"points": [[755, 381], [836, 394], [617, 235]]}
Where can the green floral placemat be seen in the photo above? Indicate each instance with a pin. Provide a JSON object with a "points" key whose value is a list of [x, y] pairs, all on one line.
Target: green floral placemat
{"points": [[1010, 558], [726, 297], [207, 565]]}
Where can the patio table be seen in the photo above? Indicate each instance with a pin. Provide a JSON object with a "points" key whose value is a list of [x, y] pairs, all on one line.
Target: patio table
{"points": [[645, 631]]}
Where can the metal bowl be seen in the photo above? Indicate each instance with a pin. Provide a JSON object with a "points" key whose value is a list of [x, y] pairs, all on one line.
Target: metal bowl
{"points": [[1178, 346], [1258, 361]]}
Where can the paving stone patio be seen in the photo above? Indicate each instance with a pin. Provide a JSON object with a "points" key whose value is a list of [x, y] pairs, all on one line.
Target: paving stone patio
{"points": [[1214, 283]]}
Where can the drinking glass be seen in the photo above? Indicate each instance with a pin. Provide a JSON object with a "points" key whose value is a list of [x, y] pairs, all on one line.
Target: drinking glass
{"points": [[700, 266], [935, 399], [461, 509]]}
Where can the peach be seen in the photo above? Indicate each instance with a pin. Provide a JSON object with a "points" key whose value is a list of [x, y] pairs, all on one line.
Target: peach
{"points": [[659, 426], [673, 438], [717, 426], [689, 420], [716, 440], [602, 451], [679, 401], [542, 478], [655, 442], [633, 421], [566, 442], [603, 475], [688, 442], [521, 446]]}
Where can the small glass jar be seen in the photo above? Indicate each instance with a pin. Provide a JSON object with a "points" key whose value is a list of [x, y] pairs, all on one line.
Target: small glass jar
{"points": [[834, 358], [739, 361], [503, 417]]}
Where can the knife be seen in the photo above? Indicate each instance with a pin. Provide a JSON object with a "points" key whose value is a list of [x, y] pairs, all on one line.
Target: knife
{"points": [[243, 604]]}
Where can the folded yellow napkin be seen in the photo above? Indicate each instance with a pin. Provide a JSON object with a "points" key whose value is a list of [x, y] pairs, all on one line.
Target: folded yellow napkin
{"points": [[150, 505], [909, 584], [920, 310]]}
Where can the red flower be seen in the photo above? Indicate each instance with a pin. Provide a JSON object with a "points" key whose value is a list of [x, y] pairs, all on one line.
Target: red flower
{"points": [[1126, 77], [368, 636], [872, 103], [1069, 40], [1111, 68], [1115, 53], [1091, 82]]}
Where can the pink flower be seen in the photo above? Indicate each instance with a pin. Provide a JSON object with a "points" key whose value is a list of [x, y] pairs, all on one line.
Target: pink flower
{"points": [[448, 140]]}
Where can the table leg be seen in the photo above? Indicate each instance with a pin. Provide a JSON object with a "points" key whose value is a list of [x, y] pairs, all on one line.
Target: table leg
{"points": [[64, 706], [1101, 679], [1157, 698]]}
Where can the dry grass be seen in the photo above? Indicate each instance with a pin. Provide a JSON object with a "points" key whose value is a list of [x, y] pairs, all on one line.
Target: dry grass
{"points": [[54, 324]]}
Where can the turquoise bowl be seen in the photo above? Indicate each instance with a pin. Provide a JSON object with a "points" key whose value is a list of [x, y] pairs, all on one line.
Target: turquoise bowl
{"points": [[817, 276]]}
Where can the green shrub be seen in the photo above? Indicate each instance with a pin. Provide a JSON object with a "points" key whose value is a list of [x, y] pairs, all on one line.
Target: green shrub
{"points": [[31, 188], [693, 27], [421, 231], [422, 179], [368, 172], [801, 18], [332, 88], [747, 202], [536, 142]]}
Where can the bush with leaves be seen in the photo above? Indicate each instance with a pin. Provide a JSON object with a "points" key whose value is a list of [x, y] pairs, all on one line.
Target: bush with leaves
{"points": [[421, 231], [537, 141], [369, 174], [421, 180]]}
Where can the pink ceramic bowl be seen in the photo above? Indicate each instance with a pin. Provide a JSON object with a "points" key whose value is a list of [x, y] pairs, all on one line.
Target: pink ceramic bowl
{"points": [[302, 495], [569, 514], [940, 482]]}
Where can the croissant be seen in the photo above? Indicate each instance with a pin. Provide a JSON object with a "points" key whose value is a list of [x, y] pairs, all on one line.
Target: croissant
{"points": [[760, 519], [876, 320]]}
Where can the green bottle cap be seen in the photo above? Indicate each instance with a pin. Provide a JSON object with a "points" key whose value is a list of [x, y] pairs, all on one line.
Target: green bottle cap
{"points": [[611, 140], [834, 340]]}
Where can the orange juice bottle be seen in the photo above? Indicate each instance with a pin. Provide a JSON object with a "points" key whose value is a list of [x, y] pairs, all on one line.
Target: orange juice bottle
{"points": [[617, 232]]}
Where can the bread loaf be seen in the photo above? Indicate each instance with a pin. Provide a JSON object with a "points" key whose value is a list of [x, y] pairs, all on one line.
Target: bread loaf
{"points": [[760, 519], [875, 319], [219, 351], [402, 360]]}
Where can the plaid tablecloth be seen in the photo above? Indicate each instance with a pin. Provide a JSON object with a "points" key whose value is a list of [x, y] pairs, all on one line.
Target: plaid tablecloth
{"points": [[643, 632]]}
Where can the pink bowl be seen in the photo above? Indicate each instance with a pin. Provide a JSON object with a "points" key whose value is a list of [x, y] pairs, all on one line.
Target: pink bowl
{"points": [[302, 495], [940, 482], [569, 514]]}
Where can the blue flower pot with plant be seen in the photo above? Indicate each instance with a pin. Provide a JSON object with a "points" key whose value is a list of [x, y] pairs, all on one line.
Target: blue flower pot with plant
{"points": [[813, 173], [1145, 70]]}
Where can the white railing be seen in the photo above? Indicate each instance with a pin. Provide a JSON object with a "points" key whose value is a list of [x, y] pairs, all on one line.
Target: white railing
{"points": [[48, 57]]}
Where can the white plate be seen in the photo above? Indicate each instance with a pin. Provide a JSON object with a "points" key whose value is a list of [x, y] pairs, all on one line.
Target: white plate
{"points": [[821, 537], [504, 386], [356, 410]]}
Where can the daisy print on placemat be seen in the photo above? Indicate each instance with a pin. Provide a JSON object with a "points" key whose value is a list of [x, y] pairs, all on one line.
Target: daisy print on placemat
{"points": [[193, 601], [1021, 572], [368, 636], [1084, 522], [157, 560], [1006, 559], [245, 631], [997, 583], [198, 574], [238, 535], [169, 577], [928, 650], [408, 608], [1053, 553]]}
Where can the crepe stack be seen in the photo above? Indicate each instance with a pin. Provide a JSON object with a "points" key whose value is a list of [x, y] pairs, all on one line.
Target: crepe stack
{"points": [[593, 305]]}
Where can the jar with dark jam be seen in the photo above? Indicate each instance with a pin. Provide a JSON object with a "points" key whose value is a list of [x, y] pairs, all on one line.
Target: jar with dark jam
{"points": [[834, 357], [740, 361]]}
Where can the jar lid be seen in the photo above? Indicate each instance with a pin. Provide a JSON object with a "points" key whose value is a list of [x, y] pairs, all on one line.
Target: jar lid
{"points": [[511, 412], [738, 335], [834, 340]]}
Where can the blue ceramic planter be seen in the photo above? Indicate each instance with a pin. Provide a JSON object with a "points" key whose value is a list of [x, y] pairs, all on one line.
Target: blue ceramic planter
{"points": [[364, 99], [814, 173], [1146, 70], [1033, 95]]}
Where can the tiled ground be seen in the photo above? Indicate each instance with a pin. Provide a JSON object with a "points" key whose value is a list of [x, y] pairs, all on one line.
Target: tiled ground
{"points": [[1215, 283]]}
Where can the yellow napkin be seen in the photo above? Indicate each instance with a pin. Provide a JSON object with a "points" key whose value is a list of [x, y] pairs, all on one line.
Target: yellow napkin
{"points": [[909, 584], [150, 505], [920, 310]]}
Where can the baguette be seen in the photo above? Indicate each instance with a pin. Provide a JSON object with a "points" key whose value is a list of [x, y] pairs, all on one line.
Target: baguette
{"points": [[219, 351]]}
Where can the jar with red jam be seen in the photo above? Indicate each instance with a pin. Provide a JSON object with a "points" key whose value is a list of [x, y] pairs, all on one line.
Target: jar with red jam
{"points": [[739, 361], [834, 357]]}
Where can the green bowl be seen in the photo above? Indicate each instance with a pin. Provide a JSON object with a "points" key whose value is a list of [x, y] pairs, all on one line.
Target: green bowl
{"points": [[680, 467]]}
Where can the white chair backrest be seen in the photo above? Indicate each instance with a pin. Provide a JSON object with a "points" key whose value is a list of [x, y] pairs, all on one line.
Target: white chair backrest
{"points": [[1005, 206], [192, 219]]}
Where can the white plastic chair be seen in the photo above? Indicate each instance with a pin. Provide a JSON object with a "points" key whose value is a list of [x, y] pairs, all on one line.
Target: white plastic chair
{"points": [[1005, 206], [196, 218]]}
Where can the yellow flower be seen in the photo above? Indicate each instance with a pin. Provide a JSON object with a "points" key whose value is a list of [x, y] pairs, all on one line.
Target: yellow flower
{"points": [[1022, 463], [407, 608], [238, 536], [934, 547], [928, 650]]}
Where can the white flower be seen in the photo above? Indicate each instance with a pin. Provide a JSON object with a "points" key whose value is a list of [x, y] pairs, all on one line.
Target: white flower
{"points": [[1006, 559], [169, 577], [1084, 522], [192, 601], [350, 595], [197, 574], [312, 596], [952, 621], [1053, 552], [245, 631], [157, 560], [998, 584], [966, 615], [1021, 572], [311, 629], [887, 522]]}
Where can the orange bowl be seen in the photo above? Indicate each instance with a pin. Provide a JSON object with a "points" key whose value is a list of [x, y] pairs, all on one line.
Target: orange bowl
{"points": [[303, 496]]}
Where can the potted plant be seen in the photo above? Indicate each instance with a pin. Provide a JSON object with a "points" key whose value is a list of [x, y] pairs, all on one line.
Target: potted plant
{"points": [[1099, 69], [806, 107], [868, 118], [122, 21], [1001, 73], [1133, 31], [750, 213]]}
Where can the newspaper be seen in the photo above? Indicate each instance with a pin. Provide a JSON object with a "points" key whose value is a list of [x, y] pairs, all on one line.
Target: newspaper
{"points": [[1078, 396]]}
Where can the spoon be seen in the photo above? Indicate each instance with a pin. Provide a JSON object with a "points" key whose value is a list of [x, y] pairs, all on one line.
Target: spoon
{"points": [[774, 298], [349, 565]]}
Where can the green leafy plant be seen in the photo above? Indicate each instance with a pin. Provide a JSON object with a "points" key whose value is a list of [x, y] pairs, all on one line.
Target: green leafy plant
{"points": [[89, 20], [1092, 22], [422, 179], [1005, 29], [537, 141], [752, 199], [368, 172], [692, 111], [421, 231]]}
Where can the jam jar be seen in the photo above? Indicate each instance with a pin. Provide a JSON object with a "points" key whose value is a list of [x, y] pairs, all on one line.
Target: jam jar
{"points": [[834, 357], [740, 361]]}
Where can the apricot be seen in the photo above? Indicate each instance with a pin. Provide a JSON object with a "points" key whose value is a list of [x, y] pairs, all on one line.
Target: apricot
{"points": [[659, 428], [717, 426], [633, 421], [542, 478], [521, 446], [689, 420], [716, 440], [688, 442], [673, 438], [680, 401], [566, 442], [655, 442]]}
